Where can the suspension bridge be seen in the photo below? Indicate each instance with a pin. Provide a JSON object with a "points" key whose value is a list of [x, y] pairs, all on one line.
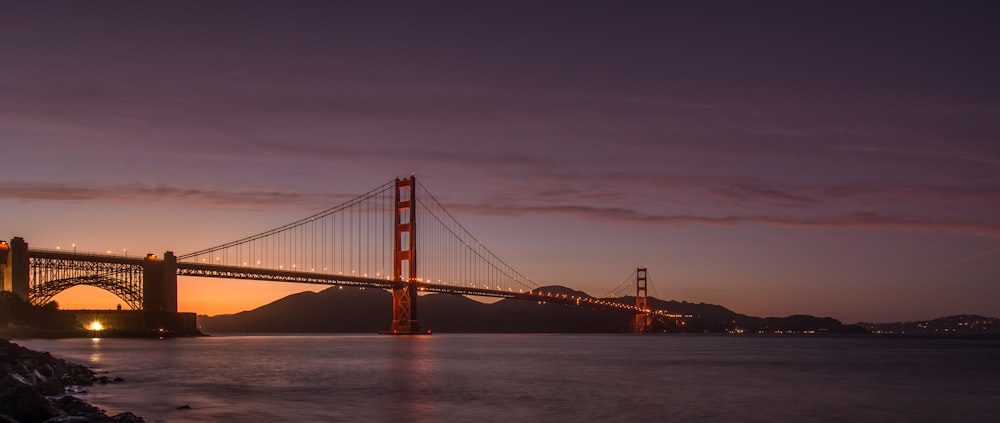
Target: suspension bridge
{"points": [[369, 241]]}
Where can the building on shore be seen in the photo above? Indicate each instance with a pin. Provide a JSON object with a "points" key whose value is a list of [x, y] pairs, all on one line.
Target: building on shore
{"points": [[136, 322]]}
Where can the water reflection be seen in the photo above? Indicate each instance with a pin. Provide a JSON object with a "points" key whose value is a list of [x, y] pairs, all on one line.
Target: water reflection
{"points": [[410, 379], [95, 350]]}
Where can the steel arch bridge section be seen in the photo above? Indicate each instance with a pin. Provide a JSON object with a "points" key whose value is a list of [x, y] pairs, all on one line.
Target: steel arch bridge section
{"points": [[50, 276]]}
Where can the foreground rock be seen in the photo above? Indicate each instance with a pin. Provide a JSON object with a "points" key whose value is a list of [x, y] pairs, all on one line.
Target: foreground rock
{"points": [[33, 387]]}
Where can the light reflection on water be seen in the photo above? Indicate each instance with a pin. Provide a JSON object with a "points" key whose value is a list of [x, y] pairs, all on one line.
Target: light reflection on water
{"points": [[543, 378], [95, 355]]}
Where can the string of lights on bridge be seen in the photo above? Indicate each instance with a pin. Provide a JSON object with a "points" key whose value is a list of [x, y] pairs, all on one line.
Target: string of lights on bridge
{"points": [[355, 239]]}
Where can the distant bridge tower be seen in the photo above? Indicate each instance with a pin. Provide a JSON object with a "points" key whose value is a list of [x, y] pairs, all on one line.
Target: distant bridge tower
{"points": [[641, 317], [404, 258]]}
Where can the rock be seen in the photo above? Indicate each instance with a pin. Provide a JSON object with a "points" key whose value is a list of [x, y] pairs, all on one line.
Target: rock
{"points": [[48, 386], [46, 370], [80, 419], [74, 406], [10, 380], [28, 376], [127, 417], [41, 368], [73, 389], [26, 404]]}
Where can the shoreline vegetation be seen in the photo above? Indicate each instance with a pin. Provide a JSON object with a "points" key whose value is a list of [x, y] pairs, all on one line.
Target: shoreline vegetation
{"points": [[35, 387]]}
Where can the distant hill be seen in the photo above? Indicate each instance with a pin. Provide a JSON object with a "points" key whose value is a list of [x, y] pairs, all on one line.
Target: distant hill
{"points": [[367, 310], [964, 324]]}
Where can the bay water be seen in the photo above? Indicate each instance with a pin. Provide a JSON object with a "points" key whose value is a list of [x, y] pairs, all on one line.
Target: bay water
{"points": [[542, 378]]}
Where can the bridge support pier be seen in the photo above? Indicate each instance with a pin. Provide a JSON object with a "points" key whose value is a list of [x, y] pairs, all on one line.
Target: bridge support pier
{"points": [[404, 259], [14, 266], [159, 283]]}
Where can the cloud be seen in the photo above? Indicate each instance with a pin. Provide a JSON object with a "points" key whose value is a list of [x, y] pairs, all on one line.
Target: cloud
{"points": [[854, 220], [134, 193], [969, 259], [748, 192], [687, 200]]}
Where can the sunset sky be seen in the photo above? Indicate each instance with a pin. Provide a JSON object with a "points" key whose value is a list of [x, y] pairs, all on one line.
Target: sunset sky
{"points": [[838, 159]]}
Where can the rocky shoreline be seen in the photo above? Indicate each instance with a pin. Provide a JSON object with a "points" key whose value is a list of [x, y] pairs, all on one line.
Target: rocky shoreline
{"points": [[34, 386]]}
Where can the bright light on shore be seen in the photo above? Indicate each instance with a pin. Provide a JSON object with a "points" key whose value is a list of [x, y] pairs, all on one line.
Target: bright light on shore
{"points": [[95, 325]]}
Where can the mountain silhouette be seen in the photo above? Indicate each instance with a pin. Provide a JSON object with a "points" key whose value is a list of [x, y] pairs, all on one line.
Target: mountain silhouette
{"points": [[348, 309]]}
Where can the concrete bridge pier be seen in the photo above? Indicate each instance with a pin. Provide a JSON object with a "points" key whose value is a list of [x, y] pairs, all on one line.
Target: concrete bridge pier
{"points": [[14, 266], [159, 283]]}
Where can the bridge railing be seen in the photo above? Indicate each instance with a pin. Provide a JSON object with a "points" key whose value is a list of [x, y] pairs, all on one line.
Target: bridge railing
{"points": [[84, 257]]}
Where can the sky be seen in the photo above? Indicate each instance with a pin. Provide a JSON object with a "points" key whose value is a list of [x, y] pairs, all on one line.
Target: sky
{"points": [[837, 159]]}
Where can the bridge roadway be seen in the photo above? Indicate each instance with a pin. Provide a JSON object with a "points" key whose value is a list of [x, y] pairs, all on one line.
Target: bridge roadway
{"points": [[88, 261], [71, 257], [249, 273]]}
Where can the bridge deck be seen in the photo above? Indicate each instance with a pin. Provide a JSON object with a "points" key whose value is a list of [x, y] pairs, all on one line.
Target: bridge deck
{"points": [[260, 274]]}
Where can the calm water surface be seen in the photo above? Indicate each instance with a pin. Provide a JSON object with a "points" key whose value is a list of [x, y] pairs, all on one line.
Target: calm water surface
{"points": [[543, 378]]}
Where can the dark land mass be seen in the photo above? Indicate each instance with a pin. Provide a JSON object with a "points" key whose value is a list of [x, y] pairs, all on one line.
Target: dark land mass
{"points": [[33, 387], [368, 310], [961, 325], [19, 318]]}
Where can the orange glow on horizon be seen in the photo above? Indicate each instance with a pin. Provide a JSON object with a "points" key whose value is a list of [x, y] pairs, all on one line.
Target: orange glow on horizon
{"points": [[196, 295], [205, 296]]}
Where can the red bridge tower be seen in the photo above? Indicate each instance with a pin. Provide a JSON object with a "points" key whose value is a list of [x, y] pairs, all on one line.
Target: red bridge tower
{"points": [[641, 317], [404, 259]]}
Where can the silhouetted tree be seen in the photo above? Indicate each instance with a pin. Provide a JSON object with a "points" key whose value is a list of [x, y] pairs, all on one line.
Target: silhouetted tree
{"points": [[19, 312]]}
